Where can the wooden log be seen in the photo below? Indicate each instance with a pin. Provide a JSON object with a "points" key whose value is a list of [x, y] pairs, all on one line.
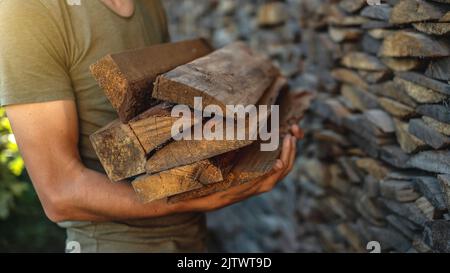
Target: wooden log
{"points": [[445, 185], [413, 44], [425, 81], [119, 151], [407, 210], [373, 167], [418, 92], [251, 162], [183, 152], [359, 99], [127, 77], [370, 45], [410, 11], [352, 5], [427, 134], [396, 109], [361, 60], [401, 64], [436, 111], [341, 34], [349, 76], [395, 156], [431, 188], [441, 127], [153, 128], [439, 69], [378, 12], [177, 180], [233, 75], [330, 109], [433, 28], [399, 190], [390, 90], [408, 142], [432, 161]]}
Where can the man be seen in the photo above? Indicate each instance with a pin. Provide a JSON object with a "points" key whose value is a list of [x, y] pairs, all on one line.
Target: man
{"points": [[54, 104]]}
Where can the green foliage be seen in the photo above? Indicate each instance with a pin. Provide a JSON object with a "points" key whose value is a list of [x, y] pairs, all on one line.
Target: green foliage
{"points": [[23, 225], [11, 166]]}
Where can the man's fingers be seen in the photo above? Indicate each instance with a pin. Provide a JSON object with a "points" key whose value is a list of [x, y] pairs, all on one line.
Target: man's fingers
{"points": [[286, 150], [297, 131], [291, 156]]}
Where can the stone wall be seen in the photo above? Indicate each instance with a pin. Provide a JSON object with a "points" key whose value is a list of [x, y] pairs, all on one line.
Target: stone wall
{"points": [[374, 165]]}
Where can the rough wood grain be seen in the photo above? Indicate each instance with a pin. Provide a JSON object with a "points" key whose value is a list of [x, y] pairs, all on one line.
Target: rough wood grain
{"points": [[153, 128], [420, 79], [183, 152], [418, 92], [233, 75], [413, 44], [177, 180], [410, 11], [254, 163], [127, 77], [439, 69], [119, 151]]}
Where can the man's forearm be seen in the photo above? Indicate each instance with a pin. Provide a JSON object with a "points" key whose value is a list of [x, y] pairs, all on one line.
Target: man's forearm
{"points": [[91, 196]]}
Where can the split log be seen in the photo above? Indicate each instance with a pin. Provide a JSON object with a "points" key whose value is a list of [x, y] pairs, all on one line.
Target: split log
{"points": [[341, 34], [410, 11], [360, 60], [119, 151], [153, 128], [433, 28], [445, 185], [349, 76], [378, 12], [408, 142], [395, 156], [359, 99], [352, 5], [233, 75], [252, 163], [441, 127], [184, 152], [431, 188], [127, 77], [432, 161], [419, 93], [436, 111], [427, 134], [399, 190], [396, 109], [401, 64], [439, 69], [425, 81], [390, 90], [413, 44], [178, 180]]}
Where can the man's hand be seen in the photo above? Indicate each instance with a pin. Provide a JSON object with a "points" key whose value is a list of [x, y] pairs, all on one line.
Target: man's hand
{"points": [[265, 184], [47, 134]]}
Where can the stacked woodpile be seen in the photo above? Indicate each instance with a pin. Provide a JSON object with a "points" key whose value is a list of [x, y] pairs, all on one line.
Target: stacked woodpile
{"points": [[145, 85], [377, 164]]}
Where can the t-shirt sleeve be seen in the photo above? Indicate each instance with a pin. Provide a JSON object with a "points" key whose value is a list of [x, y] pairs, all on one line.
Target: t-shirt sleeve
{"points": [[33, 55]]}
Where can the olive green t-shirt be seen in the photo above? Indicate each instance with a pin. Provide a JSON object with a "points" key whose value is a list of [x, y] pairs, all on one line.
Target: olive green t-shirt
{"points": [[46, 48]]}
